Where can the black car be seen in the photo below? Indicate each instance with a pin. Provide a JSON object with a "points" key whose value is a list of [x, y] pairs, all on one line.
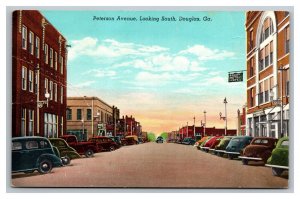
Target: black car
{"points": [[159, 139], [188, 141]]}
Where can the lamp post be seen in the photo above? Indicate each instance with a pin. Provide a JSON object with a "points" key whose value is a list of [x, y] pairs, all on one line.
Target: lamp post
{"points": [[82, 128], [224, 118]]}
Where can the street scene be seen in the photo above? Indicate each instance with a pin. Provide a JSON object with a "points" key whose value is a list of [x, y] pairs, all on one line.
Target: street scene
{"points": [[159, 99], [186, 167]]}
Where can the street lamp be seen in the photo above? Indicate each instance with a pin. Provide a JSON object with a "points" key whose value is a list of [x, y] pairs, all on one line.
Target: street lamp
{"points": [[204, 124], [224, 118], [82, 128]]}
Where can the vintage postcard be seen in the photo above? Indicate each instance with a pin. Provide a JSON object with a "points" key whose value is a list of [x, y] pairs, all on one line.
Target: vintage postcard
{"points": [[150, 99]]}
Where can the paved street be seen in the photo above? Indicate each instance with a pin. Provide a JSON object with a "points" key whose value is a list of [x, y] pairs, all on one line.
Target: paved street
{"points": [[155, 165]]}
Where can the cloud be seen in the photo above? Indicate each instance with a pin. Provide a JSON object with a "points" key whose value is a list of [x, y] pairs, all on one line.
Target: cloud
{"points": [[109, 48], [204, 53], [101, 72], [81, 85]]}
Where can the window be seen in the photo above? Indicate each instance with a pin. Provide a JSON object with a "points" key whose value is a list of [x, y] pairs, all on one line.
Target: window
{"points": [[24, 37], [61, 65], [23, 122], [79, 114], [45, 124], [267, 52], [261, 59], [30, 81], [271, 52], [30, 43], [36, 83], [46, 53], [287, 39], [55, 92], [89, 114], [55, 126], [61, 94], [46, 86], [51, 57], [69, 114], [267, 29], [24, 77], [51, 90], [252, 97], [55, 60], [266, 90], [287, 83], [31, 122], [16, 146], [44, 144], [252, 67], [251, 40], [37, 47], [50, 125], [261, 93], [62, 125], [31, 145]]}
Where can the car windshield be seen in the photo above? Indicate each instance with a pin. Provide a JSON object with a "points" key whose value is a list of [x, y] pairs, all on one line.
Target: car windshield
{"points": [[260, 141], [285, 144], [16, 146]]}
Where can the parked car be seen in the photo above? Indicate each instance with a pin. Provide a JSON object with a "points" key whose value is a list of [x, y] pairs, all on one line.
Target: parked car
{"points": [[259, 149], [179, 140], [116, 139], [188, 141], [279, 160], [236, 145], [203, 143], [211, 143], [66, 152], [199, 142], [129, 140], [104, 143], [159, 139], [32, 153], [83, 148], [220, 148]]}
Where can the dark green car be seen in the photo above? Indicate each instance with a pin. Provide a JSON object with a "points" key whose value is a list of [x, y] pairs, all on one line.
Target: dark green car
{"points": [[220, 148], [66, 152], [33, 153], [279, 160]]}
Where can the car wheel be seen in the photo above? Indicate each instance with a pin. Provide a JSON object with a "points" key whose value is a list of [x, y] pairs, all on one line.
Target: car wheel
{"points": [[111, 148], [245, 162], [45, 166], [66, 160], [277, 171], [89, 153]]}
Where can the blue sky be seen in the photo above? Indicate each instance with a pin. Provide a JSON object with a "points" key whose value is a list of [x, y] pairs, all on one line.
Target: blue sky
{"points": [[163, 73]]}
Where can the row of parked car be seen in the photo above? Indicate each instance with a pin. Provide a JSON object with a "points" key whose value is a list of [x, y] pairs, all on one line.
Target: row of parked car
{"points": [[270, 151], [32, 153]]}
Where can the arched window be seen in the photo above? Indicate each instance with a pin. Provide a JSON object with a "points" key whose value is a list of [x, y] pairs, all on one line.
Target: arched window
{"points": [[267, 29]]}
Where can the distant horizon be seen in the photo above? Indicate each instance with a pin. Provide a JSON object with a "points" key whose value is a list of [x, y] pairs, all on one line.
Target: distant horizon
{"points": [[163, 73]]}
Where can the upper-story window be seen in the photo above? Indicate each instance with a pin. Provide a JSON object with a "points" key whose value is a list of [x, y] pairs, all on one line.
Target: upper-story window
{"points": [[287, 39], [24, 78], [24, 37], [69, 114], [37, 47], [61, 65], [30, 80], [30, 43], [46, 53], [55, 60], [267, 29], [51, 57], [251, 44], [266, 56]]}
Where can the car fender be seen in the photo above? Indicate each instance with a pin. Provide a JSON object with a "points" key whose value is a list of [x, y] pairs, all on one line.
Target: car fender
{"points": [[53, 158]]}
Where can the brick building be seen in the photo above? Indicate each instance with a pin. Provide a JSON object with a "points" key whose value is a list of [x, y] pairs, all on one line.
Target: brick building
{"points": [[90, 116], [39, 68], [241, 121], [129, 126], [268, 74], [188, 131]]}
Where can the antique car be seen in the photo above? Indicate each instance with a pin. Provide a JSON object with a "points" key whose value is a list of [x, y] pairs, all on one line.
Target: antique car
{"points": [[129, 140], [66, 152], [116, 139], [211, 143], [220, 148], [159, 139], [236, 145], [178, 141], [188, 141], [83, 148], [279, 160], [33, 153], [104, 143], [259, 149], [201, 141]]}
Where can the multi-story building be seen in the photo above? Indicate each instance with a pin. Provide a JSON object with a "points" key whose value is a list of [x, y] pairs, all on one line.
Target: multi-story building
{"points": [[268, 74], [241, 121], [129, 126], [200, 131], [39, 68], [90, 116]]}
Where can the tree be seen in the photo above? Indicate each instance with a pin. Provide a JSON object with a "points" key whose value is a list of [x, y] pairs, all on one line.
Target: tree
{"points": [[151, 137], [164, 135]]}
